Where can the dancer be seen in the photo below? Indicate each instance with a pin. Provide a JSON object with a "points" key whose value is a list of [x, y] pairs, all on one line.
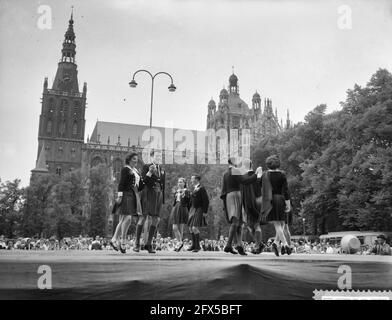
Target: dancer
{"points": [[179, 214], [198, 212], [128, 201], [152, 198], [275, 201], [252, 218], [231, 196]]}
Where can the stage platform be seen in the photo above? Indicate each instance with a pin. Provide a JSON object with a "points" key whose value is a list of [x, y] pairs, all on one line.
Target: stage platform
{"points": [[185, 275]]}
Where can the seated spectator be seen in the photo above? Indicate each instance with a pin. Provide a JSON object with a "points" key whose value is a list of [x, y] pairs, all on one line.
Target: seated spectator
{"points": [[381, 248]]}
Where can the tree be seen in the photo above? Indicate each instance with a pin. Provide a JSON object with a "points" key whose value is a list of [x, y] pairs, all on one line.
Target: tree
{"points": [[11, 206]]}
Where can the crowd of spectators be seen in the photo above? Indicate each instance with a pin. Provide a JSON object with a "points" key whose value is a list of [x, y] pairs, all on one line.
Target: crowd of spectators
{"points": [[168, 244]]}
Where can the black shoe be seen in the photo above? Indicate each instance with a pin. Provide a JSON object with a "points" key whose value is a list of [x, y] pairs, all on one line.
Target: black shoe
{"points": [[241, 250], [261, 247], [229, 250], [288, 250], [275, 249], [113, 246], [196, 249], [149, 248], [122, 249], [283, 250], [136, 248], [143, 247]]}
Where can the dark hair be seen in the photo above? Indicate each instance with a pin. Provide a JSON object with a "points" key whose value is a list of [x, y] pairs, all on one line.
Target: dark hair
{"points": [[197, 177], [152, 152], [273, 162], [129, 157]]}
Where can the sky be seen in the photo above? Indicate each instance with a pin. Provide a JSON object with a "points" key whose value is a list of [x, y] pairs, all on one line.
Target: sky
{"points": [[299, 53]]}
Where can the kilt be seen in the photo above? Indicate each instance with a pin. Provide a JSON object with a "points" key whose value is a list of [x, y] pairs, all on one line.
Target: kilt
{"points": [[130, 203], [151, 199], [234, 206], [278, 208], [179, 214], [196, 218]]}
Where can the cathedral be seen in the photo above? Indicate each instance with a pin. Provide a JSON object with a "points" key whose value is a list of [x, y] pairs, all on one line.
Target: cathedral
{"points": [[61, 133], [235, 113]]}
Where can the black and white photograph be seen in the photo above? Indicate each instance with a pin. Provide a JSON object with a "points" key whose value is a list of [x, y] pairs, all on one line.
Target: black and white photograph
{"points": [[195, 154]]}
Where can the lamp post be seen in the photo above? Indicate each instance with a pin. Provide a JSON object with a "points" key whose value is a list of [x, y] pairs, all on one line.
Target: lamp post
{"points": [[303, 224], [171, 88]]}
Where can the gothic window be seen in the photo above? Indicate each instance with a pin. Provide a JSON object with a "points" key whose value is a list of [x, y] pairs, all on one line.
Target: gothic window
{"points": [[76, 108], [62, 128], [75, 128], [96, 161], [49, 127], [51, 105], [73, 151], [63, 107], [58, 171], [61, 149]]}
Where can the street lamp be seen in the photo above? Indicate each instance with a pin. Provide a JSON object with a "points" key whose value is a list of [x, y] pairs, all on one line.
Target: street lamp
{"points": [[171, 88], [303, 223]]}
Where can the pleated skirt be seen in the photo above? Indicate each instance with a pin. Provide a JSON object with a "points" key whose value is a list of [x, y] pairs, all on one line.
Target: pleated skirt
{"points": [[151, 200], [196, 218], [179, 214], [278, 208]]}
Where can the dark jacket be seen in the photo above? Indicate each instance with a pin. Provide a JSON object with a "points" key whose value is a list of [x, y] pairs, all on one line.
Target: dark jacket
{"points": [[232, 182], [159, 178], [127, 181], [199, 199]]}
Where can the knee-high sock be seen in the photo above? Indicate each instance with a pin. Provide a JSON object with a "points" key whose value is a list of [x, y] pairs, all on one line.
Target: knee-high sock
{"points": [[239, 235], [139, 230], [197, 241], [232, 233], [151, 234]]}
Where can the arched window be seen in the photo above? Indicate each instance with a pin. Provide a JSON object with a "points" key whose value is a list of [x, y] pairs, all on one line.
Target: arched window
{"points": [[75, 128], [51, 105], [96, 161], [76, 108], [49, 126], [58, 171], [62, 128]]}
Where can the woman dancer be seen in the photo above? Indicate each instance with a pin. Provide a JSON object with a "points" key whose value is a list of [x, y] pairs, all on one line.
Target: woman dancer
{"points": [[179, 214], [276, 201], [129, 201]]}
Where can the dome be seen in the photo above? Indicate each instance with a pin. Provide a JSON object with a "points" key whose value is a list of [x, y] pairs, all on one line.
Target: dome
{"points": [[224, 92], [233, 80], [256, 96], [211, 103]]}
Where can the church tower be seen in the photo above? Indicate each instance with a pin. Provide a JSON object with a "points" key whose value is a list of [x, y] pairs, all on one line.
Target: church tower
{"points": [[62, 119]]}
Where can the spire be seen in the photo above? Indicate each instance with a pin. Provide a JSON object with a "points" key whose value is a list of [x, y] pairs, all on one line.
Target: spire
{"points": [[288, 122], [41, 162], [68, 52]]}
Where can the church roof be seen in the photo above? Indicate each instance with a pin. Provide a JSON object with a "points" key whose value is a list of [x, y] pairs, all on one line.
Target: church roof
{"points": [[110, 131], [41, 162]]}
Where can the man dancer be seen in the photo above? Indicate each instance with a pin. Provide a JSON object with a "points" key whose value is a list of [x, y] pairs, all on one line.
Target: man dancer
{"points": [[232, 202], [198, 212], [152, 198], [249, 195]]}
